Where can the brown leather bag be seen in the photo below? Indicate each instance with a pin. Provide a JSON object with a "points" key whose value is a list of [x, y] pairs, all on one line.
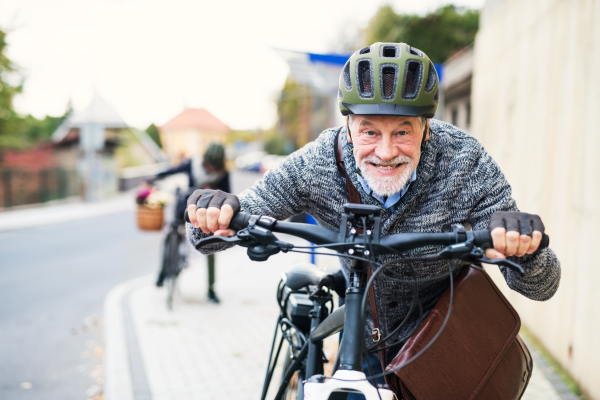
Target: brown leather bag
{"points": [[479, 355]]}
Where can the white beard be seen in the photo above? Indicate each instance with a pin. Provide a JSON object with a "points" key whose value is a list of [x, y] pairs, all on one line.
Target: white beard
{"points": [[386, 186]]}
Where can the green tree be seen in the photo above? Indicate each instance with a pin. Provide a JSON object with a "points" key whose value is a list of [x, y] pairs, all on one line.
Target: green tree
{"points": [[154, 134], [32, 130], [294, 108], [16, 131], [439, 34], [275, 142], [9, 120]]}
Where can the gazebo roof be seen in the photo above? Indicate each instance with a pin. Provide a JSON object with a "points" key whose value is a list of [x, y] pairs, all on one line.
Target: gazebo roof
{"points": [[196, 118], [98, 111]]}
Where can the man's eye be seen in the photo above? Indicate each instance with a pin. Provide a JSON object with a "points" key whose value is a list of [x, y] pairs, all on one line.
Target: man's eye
{"points": [[370, 133], [402, 133]]}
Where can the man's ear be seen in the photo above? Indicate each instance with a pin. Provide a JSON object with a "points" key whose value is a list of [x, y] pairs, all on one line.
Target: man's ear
{"points": [[348, 129]]}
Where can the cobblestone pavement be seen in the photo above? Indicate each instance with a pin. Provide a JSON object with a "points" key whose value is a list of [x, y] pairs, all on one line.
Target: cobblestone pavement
{"points": [[206, 351]]}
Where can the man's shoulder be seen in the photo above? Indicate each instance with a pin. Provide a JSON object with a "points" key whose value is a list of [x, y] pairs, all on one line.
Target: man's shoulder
{"points": [[453, 141], [327, 137]]}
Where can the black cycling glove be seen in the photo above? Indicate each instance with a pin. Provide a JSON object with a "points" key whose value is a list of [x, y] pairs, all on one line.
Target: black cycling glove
{"points": [[516, 221], [204, 198]]}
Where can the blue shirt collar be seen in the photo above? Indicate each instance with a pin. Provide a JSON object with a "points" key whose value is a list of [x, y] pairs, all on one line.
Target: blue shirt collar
{"points": [[392, 200]]}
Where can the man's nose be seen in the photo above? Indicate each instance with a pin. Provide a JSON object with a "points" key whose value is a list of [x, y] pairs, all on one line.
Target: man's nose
{"points": [[386, 149]]}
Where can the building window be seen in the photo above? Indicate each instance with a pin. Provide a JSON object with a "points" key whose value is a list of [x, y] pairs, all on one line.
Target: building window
{"points": [[468, 113], [454, 116]]}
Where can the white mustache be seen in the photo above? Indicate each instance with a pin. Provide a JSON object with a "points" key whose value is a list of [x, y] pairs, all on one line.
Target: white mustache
{"points": [[386, 185], [394, 161]]}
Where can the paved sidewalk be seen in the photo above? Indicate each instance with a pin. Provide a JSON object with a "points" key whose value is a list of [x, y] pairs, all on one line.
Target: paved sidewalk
{"points": [[52, 213], [205, 351]]}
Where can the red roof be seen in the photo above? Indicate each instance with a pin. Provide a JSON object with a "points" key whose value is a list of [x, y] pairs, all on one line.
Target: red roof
{"points": [[197, 118]]}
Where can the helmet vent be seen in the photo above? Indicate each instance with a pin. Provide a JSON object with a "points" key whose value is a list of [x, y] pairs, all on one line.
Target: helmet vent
{"points": [[431, 78], [436, 98], [412, 79], [365, 78], [389, 51], [365, 50], [346, 76], [340, 95], [388, 73], [415, 52]]}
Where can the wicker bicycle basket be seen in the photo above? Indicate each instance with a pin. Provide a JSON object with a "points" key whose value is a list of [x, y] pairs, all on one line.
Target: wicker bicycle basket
{"points": [[150, 219]]}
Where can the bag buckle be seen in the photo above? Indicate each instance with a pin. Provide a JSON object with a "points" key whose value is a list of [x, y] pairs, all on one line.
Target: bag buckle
{"points": [[376, 335]]}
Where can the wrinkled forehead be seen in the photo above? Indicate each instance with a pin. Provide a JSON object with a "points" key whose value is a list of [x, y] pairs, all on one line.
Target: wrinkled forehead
{"points": [[383, 120]]}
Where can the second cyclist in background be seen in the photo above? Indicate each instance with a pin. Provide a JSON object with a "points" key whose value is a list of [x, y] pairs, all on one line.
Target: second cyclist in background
{"points": [[207, 172]]}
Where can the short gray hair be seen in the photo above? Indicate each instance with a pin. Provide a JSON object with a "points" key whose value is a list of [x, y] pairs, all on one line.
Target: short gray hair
{"points": [[422, 119]]}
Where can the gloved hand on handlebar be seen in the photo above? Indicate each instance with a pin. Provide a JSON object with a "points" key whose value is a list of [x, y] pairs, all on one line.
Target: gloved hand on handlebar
{"points": [[514, 234], [212, 210]]}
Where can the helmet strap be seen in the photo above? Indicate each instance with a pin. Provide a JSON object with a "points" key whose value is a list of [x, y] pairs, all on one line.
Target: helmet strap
{"points": [[348, 129], [425, 136]]}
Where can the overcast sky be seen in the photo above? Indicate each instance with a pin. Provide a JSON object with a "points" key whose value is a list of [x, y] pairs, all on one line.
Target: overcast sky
{"points": [[150, 59]]}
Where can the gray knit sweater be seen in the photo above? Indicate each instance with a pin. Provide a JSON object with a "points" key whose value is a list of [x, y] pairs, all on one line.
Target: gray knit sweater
{"points": [[457, 183]]}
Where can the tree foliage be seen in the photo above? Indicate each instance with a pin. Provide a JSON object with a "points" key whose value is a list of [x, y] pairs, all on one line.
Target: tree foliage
{"points": [[154, 134], [294, 109], [32, 130], [8, 116], [16, 131], [439, 34]]}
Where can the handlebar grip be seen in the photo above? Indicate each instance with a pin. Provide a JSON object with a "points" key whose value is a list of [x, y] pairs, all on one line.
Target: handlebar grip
{"points": [[545, 241], [484, 239], [239, 220]]}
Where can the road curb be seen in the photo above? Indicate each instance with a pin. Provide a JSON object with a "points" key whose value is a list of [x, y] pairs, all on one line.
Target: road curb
{"points": [[117, 368]]}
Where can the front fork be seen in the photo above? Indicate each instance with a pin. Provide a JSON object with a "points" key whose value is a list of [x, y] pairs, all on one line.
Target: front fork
{"points": [[314, 360], [350, 376]]}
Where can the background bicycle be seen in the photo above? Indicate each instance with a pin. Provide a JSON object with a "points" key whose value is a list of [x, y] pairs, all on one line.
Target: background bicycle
{"points": [[175, 249]]}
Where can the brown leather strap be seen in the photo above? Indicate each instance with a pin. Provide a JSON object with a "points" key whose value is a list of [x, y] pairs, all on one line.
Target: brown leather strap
{"points": [[352, 192], [355, 198]]}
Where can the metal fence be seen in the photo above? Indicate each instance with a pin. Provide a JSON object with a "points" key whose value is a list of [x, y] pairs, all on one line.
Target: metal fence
{"points": [[20, 187]]}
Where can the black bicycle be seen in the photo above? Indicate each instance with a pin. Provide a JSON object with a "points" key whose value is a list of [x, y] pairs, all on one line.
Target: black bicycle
{"points": [[305, 295], [175, 251]]}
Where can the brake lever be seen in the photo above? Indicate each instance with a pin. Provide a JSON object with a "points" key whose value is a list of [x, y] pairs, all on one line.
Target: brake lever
{"points": [[216, 239], [468, 252], [503, 262], [478, 255]]}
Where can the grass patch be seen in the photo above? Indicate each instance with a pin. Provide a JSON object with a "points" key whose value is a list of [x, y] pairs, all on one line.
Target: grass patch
{"points": [[556, 367]]}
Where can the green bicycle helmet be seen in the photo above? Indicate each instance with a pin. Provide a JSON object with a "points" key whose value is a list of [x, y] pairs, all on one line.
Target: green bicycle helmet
{"points": [[389, 79], [215, 156]]}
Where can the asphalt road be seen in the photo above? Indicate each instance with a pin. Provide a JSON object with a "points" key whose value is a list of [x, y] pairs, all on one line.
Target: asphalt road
{"points": [[53, 281]]}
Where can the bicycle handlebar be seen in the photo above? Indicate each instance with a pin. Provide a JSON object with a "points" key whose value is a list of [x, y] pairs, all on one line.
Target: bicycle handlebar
{"points": [[399, 242]]}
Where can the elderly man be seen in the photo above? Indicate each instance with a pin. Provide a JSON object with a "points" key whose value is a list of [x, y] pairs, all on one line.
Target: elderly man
{"points": [[422, 173]]}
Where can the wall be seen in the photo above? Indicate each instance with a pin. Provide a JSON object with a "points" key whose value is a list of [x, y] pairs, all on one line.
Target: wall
{"points": [[536, 99]]}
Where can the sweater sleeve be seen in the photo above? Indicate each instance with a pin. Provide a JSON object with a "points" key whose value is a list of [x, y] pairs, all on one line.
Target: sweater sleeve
{"points": [[185, 166], [284, 191], [542, 268]]}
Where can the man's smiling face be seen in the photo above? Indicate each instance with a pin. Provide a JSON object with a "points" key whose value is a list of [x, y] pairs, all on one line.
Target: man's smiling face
{"points": [[387, 149]]}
